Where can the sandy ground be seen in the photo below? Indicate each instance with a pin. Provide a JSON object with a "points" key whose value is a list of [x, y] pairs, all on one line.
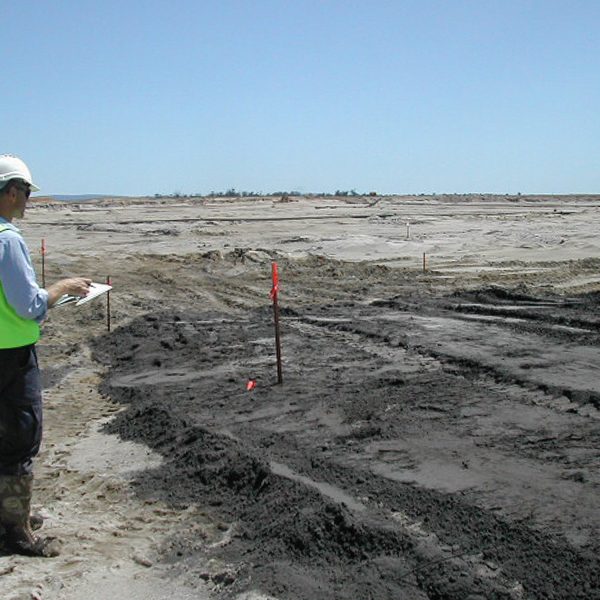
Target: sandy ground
{"points": [[436, 435]]}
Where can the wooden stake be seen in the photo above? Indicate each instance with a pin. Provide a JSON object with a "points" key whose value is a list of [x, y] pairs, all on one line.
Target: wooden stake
{"points": [[108, 304], [274, 297], [424, 263]]}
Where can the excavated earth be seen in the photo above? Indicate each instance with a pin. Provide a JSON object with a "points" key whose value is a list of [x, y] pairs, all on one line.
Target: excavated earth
{"points": [[435, 435], [427, 441]]}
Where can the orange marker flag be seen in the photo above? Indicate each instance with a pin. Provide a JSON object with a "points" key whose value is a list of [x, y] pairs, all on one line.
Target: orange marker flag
{"points": [[275, 288], [274, 293]]}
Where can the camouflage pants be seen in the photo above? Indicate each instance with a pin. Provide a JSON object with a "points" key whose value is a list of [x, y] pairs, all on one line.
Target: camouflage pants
{"points": [[20, 410]]}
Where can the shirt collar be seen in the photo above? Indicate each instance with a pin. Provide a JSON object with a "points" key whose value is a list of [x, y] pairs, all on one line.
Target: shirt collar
{"points": [[3, 221]]}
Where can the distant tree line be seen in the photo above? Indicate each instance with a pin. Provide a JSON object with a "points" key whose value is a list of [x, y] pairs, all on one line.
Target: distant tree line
{"points": [[233, 193]]}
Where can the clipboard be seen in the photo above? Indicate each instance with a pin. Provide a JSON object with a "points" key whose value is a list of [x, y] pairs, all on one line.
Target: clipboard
{"points": [[96, 289]]}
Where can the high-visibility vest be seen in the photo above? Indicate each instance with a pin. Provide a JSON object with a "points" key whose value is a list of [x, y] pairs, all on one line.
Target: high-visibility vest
{"points": [[15, 331]]}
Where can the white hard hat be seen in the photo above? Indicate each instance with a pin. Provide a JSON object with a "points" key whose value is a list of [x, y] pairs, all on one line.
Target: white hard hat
{"points": [[12, 167]]}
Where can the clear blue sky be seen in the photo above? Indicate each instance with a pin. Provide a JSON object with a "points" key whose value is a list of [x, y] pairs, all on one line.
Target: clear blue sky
{"points": [[140, 97]]}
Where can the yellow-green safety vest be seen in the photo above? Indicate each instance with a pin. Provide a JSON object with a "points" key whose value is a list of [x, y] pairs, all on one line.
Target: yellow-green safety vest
{"points": [[15, 331]]}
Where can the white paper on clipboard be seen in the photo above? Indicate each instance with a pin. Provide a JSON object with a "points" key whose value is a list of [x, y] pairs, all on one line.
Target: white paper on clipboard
{"points": [[96, 289]]}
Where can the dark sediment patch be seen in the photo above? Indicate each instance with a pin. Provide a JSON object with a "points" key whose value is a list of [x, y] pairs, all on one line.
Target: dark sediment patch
{"points": [[326, 525]]}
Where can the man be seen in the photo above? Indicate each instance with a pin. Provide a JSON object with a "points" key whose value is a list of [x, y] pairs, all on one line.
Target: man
{"points": [[23, 306]]}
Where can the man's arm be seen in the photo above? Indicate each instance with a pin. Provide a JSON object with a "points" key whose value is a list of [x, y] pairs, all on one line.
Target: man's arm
{"points": [[17, 276]]}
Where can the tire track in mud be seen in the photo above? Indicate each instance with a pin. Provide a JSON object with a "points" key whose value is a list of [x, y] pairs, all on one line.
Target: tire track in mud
{"points": [[288, 466], [537, 338]]}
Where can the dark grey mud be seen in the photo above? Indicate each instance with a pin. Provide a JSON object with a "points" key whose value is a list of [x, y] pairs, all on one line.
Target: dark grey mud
{"points": [[441, 448]]}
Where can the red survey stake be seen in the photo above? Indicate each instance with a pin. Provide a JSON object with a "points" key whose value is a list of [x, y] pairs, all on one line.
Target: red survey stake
{"points": [[274, 296], [43, 262]]}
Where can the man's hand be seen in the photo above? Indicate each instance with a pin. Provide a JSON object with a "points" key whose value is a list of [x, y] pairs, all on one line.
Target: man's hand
{"points": [[74, 286]]}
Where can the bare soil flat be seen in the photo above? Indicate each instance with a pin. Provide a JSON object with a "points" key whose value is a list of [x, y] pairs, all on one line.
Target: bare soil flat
{"points": [[436, 434]]}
